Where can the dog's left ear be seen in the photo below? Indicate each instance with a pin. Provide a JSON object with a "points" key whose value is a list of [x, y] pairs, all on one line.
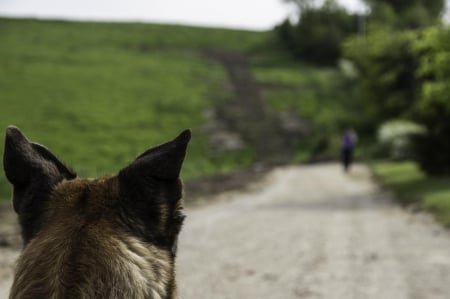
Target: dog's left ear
{"points": [[161, 162], [33, 171], [25, 161]]}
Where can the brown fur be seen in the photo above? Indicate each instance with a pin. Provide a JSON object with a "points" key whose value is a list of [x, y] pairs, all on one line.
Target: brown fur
{"points": [[112, 237]]}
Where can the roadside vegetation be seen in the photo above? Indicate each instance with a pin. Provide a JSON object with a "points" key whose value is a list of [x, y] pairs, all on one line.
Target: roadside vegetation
{"points": [[400, 54], [413, 188]]}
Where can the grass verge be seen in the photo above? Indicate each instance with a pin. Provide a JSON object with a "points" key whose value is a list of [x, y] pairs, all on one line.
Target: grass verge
{"points": [[413, 187]]}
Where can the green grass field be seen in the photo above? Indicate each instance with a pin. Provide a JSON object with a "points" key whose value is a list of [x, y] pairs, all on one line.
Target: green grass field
{"points": [[412, 187], [98, 94]]}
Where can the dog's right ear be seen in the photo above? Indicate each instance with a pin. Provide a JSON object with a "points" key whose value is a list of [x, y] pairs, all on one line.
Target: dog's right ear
{"points": [[161, 162], [151, 192]]}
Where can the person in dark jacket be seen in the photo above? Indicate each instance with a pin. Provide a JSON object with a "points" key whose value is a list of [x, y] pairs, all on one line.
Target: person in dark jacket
{"points": [[349, 140]]}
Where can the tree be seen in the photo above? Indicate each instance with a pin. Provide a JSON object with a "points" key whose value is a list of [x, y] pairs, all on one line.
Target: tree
{"points": [[434, 7], [387, 67], [433, 108], [318, 35], [406, 13]]}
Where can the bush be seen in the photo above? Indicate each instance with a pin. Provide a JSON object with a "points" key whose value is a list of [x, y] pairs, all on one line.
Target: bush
{"points": [[395, 136]]}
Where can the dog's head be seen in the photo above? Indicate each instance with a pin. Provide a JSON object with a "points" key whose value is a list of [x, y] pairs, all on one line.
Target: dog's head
{"points": [[142, 200]]}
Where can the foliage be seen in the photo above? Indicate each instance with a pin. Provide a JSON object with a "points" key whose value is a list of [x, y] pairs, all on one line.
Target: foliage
{"points": [[406, 13], [387, 66], [395, 136], [433, 108], [99, 94], [317, 36], [413, 187], [285, 33]]}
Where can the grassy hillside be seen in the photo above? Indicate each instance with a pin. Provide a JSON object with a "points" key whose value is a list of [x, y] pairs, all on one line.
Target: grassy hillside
{"points": [[98, 94]]}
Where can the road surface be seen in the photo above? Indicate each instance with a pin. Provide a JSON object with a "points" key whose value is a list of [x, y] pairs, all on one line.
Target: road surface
{"points": [[305, 232], [312, 232]]}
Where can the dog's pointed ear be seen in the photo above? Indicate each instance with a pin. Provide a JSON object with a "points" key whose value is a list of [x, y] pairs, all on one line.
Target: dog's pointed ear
{"points": [[33, 171], [24, 160], [161, 162]]}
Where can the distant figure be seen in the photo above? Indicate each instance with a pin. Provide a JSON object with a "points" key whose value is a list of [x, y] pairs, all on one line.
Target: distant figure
{"points": [[349, 140]]}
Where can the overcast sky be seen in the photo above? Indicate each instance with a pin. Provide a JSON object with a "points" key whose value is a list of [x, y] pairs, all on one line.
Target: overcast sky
{"points": [[246, 14]]}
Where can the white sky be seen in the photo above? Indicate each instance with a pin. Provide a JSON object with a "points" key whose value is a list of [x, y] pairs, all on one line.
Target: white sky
{"points": [[245, 14]]}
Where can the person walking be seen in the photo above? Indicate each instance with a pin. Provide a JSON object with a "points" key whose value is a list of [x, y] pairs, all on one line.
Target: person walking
{"points": [[349, 140]]}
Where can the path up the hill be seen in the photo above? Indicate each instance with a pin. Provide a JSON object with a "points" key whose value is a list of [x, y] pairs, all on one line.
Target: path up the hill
{"points": [[273, 135]]}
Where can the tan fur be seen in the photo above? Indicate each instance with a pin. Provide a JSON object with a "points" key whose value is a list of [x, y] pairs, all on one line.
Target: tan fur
{"points": [[107, 238], [134, 268]]}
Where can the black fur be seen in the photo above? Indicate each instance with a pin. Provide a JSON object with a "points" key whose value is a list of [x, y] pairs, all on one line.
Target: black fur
{"points": [[34, 171], [149, 188], [75, 224]]}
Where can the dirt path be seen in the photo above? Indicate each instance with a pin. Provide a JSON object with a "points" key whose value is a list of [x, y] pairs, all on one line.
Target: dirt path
{"points": [[312, 232], [273, 135], [306, 232]]}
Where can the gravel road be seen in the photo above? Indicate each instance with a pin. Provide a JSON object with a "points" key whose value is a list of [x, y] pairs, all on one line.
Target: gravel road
{"points": [[305, 232], [312, 232]]}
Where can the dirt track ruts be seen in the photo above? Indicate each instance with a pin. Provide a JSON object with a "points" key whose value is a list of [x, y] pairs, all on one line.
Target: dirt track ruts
{"points": [[306, 232]]}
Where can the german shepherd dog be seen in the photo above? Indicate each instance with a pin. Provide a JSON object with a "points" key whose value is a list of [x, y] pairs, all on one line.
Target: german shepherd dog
{"points": [[106, 238]]}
